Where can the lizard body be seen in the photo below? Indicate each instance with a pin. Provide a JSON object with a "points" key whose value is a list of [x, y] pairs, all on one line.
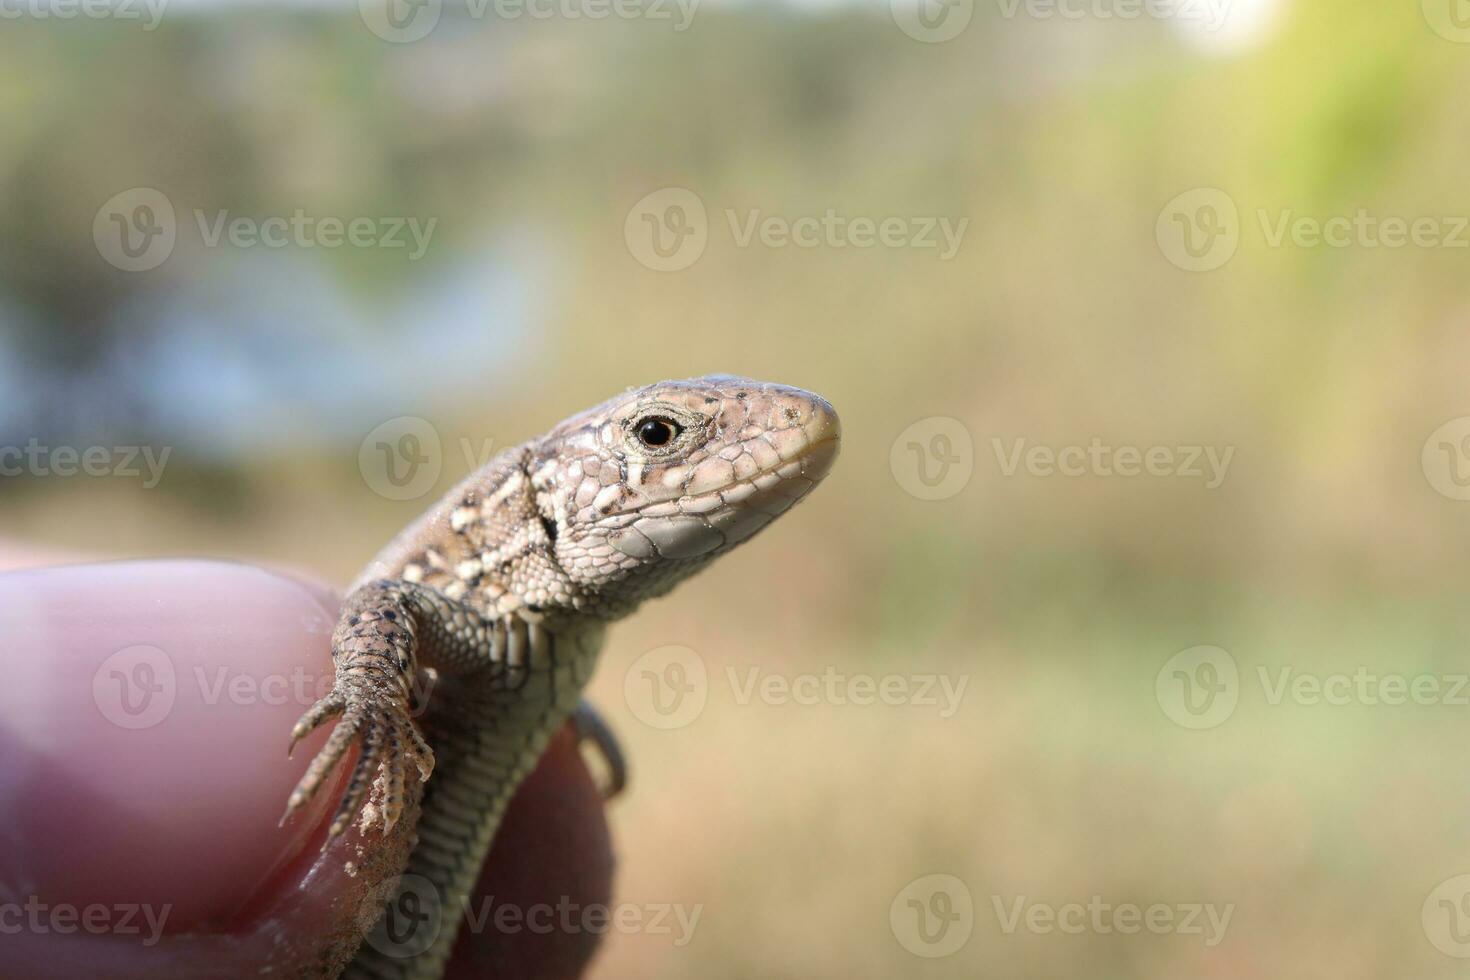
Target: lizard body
{"points": [[500, 596]]}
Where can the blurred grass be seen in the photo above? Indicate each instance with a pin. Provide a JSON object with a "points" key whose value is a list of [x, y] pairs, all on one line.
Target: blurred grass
{"points": [[1059, 321]]}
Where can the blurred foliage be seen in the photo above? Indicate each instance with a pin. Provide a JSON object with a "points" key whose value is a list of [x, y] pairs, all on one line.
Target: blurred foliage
{"points": [[1059, 321]]}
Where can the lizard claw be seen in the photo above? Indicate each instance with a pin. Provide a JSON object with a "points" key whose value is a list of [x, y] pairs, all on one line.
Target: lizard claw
{"points": [[375, 715], [328, 707], [592, 729]]}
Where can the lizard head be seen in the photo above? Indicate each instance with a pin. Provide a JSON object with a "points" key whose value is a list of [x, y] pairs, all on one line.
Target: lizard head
{"points": [[650, 486]]}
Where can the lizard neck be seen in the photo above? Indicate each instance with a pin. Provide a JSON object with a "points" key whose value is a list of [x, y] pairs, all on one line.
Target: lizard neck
{"points": [[486, 545]]}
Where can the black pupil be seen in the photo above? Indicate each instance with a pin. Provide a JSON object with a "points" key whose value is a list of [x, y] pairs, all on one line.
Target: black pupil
{"points": [[656, 432]]}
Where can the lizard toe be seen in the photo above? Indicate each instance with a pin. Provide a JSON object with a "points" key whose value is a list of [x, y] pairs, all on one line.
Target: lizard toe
{"points": [[363, 775], [325, 708]]}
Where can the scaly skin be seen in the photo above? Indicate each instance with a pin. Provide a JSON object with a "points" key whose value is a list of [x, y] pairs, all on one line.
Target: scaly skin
{"points": [[496, 600]]}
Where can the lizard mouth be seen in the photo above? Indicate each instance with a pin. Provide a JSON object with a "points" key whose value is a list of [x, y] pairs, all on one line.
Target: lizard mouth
{"points": [[789, 477], [824, 432], [773, 488], [824, 437], [729, 512]]}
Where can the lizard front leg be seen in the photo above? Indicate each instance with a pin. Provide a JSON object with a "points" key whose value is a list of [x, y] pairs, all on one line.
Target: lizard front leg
{"points": [[388, 630]]}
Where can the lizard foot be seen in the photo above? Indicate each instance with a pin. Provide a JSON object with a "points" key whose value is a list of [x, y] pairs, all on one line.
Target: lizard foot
{"points": [[375, 713]]}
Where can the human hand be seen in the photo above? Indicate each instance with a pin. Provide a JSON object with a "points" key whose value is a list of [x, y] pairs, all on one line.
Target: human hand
{"points": [[144, 713]]}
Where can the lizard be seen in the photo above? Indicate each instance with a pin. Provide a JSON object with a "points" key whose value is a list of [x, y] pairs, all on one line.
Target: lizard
{"points": [[499, 597]]}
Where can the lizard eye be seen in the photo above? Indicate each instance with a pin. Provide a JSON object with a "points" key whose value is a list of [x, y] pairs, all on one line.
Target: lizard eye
{"points": [[656, 432]]}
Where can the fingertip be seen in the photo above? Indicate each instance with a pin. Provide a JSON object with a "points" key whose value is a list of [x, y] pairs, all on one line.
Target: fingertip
{"points": [[117, 801], [136, 725]]}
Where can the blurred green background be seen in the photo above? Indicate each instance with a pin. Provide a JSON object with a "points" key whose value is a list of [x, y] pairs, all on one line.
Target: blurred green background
{"points": [[1067, 314]]}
